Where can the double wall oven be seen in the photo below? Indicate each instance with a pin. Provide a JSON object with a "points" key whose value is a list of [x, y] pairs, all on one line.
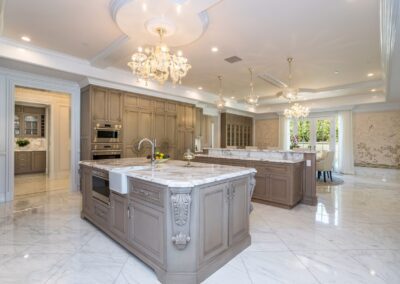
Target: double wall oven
{"points": [[107, 141]]}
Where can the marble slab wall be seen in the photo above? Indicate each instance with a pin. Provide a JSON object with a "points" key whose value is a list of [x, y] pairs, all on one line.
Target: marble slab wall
{"points": [[267, 133], [377, 139]]}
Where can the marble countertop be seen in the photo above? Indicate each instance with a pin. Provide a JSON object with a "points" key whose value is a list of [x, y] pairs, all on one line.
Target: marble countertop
{"points": [[251, 159], [173, 173], [23, 149]]}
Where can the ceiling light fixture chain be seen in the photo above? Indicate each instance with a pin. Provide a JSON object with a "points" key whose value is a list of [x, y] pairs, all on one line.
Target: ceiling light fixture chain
{"points": [[157, 63], [289, 92], [252, 99]]}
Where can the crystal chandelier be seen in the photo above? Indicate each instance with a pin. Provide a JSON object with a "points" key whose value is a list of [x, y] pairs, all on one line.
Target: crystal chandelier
{"points": [[221, 102], [296, 111], [157, 63], [288, 92], [252, 99]]}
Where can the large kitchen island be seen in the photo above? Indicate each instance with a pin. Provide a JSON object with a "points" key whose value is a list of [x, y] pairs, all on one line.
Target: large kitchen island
{"points": [[184, 222]]}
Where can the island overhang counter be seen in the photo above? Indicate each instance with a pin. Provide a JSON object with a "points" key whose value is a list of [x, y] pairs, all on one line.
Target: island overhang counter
{"points": [[184, 222]]}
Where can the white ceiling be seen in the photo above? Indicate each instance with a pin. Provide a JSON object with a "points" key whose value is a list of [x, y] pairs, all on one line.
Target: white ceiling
{"points": [[322, 36]]}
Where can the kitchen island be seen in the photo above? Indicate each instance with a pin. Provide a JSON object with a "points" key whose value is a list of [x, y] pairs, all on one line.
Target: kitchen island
{"points": [[283, 179], [184, 222]]}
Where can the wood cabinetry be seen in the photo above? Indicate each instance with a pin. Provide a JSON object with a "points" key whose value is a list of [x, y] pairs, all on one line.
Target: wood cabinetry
{"points": [[29, 121], [224, 221], [236, 130], [106, 105], [120, 213], [171, 123], [279, 184], [29, 162]]}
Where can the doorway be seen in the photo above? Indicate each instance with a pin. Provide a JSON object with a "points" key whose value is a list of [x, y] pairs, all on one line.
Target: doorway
{"points": [[42, 136]]}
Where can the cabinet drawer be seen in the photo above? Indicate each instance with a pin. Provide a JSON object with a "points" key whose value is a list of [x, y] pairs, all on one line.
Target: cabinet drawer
{"points": [[101, 213], [145, 192]]}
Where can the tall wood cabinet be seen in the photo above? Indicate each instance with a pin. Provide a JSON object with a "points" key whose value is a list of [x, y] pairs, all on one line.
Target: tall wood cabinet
{"points": [[171, 123], [29, 121], [236, 130]]}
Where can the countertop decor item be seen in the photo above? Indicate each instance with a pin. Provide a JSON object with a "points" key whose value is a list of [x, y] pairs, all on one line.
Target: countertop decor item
{"points": [[22, 142], [188, 156], [160, 157]]}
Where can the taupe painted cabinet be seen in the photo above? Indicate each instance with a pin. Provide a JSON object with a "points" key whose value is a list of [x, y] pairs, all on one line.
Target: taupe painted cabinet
{"points": [[184, 234], [26, 162], [29, 121], [279, 184]]}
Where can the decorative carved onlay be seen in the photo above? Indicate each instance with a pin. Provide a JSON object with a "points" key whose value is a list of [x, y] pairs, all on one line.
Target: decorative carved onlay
{"points": [[180, 212], [252, 184]]}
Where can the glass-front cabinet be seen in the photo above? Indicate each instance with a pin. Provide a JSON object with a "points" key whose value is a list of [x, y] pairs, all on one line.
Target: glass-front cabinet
{"points": [[29, 121]]}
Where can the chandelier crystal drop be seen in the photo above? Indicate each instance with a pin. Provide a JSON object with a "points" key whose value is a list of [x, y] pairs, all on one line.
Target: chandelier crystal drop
{"points": [[251, 98], [289, 92], [157, 63], [296, 111], [220, 103]]}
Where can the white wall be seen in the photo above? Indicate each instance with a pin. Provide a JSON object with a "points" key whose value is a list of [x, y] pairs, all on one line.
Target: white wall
{"points": [[59, 130]]}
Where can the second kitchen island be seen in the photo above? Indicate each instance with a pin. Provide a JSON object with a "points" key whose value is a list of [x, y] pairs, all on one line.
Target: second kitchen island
{"points": [[184, 222]]}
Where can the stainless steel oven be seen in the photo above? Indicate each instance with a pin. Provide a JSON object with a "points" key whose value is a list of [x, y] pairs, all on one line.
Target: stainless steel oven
{"points": [[107, 133], [100, 186], [101, 151]]}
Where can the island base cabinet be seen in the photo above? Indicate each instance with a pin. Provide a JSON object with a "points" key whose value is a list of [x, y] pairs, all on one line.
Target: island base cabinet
{"points": [[120, 212], [224, 217], [146, 231], [214, 209]]}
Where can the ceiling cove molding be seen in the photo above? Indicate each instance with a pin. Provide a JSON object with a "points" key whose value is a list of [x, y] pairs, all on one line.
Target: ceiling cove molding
{"points": [[57, 61], [390, 46]]}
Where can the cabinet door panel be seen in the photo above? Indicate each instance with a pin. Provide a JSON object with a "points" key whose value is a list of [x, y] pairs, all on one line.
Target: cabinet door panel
{"points": [[146, 231], [119, 216], [189, 116], [115, 107], [279, 189], [214, 206], [145, 125], [171, 129], [159, 128], [239, 212], [39, 161], [99, 102], [23, 162], [131, 128], [86, 189], [261, 188]]}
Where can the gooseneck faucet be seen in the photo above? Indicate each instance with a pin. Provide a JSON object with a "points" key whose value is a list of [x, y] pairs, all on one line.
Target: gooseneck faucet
{"points": [[153, 149]]}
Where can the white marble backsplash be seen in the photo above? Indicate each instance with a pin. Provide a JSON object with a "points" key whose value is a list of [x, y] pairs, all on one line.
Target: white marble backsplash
{"points": [[35, 144], [265, 155]]}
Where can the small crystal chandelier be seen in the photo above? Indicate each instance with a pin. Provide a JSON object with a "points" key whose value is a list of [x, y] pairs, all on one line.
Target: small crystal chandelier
{"points": [[157, 63], [296, 111], [252, 99], [288, 92], [221, 102]]}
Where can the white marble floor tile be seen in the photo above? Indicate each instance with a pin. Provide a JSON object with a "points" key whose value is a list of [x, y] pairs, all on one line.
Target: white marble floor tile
{"points": [[276, 267], [336, 267], [135, 271], [234, 270]]}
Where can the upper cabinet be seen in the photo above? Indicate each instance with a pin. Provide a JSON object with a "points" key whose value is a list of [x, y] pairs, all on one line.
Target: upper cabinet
{"points": [[106, 105], [29, 121]]}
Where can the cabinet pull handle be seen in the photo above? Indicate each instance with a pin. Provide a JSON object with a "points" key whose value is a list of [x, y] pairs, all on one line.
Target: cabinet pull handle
{"points": [[129, 211]]}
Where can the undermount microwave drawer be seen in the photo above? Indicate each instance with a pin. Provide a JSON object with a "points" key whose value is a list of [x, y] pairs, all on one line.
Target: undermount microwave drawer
{"points": [[146, 192]]}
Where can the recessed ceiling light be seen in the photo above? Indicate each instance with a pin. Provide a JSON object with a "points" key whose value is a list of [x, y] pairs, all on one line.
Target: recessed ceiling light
{"points": [[370, 74], [144, 7], [214, 49], [26, 38], [336, 72], [200, 88], [373, 90], [178, 9], [232, 98]]}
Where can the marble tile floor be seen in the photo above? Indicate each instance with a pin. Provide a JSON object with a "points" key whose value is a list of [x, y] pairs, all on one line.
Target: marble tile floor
{"points": [[352, 236], [38, 183]]}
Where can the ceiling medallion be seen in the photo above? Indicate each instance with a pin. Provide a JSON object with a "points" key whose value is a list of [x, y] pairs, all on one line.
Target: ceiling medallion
{"points": [[221, 102], [157, 63], [252, 99], [289, 92], [296, 111]]}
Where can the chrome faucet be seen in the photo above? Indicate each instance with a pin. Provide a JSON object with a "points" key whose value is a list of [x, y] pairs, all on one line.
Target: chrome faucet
{"points": [[153, 149]]}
